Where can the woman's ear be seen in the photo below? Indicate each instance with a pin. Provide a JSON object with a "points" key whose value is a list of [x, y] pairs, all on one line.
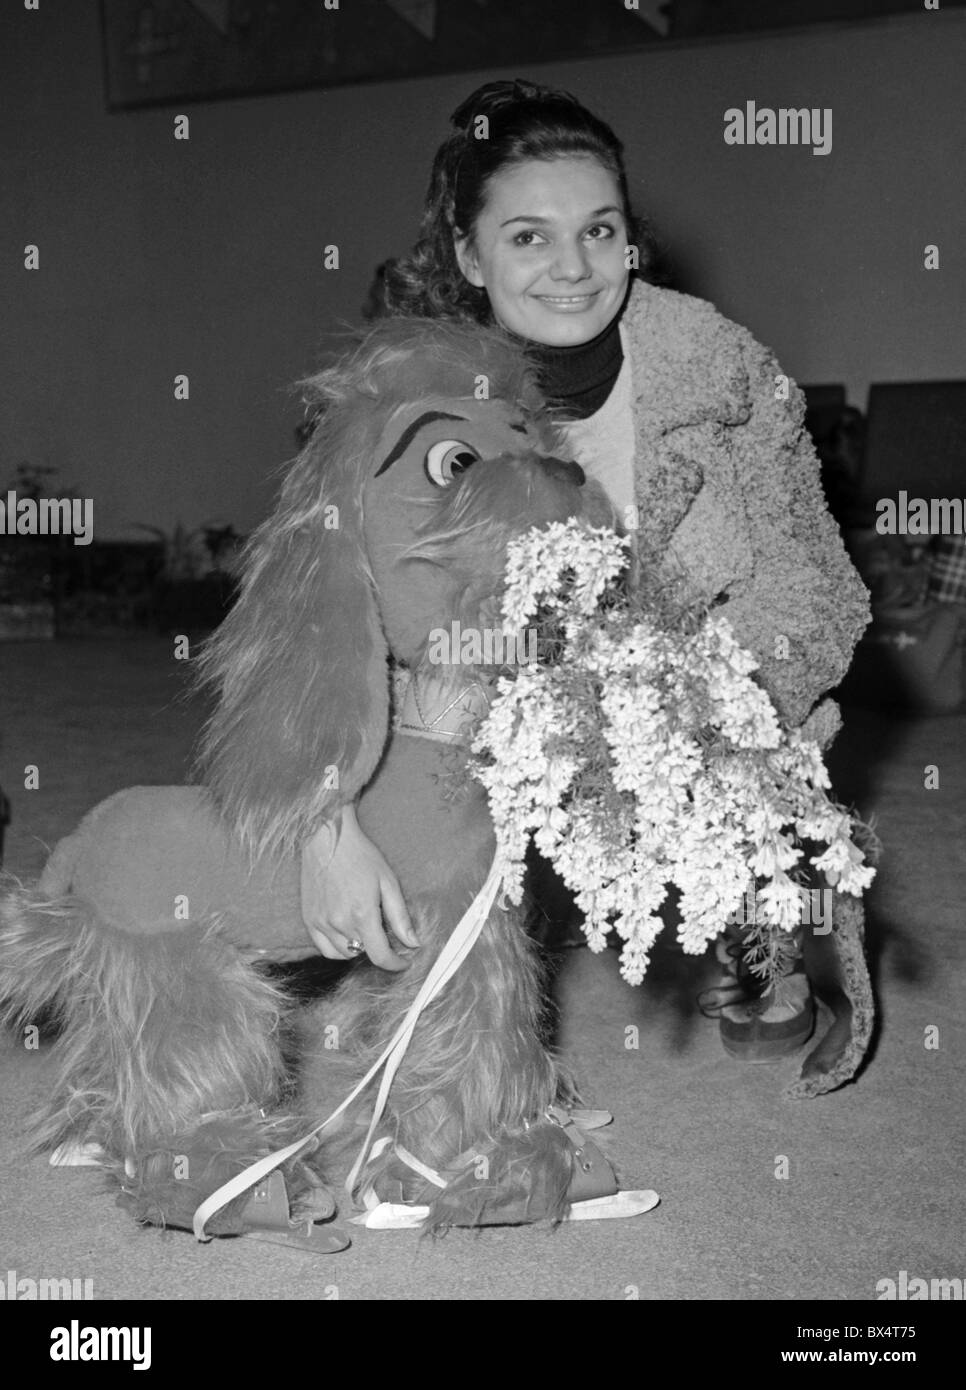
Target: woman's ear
{"points": [[466, 259], [299, 666]]}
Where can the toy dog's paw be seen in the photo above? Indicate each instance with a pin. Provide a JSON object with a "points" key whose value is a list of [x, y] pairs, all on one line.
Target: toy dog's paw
{"points": [[270, 1214]]}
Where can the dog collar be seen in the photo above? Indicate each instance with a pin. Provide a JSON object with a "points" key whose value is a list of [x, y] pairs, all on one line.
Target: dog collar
{"points": [[440, 707]]}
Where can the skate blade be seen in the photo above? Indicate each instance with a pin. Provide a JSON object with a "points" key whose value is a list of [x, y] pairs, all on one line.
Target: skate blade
{"points": [[622, 1204], [74, 1155], [395, 1216], [591, 1119], [312, 1239]]}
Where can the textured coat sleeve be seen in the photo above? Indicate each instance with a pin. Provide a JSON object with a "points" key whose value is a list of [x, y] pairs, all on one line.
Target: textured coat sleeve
{"points": [[803, 607]]}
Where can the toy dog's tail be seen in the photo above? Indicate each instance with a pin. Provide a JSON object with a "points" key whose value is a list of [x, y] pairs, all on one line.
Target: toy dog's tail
{"points": [[154, 1031]]}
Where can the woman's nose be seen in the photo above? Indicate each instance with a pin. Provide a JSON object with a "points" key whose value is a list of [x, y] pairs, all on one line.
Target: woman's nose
{"points": [[570, 263], [565, 469]]}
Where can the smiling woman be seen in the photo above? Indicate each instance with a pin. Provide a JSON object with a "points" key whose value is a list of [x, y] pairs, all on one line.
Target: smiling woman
{"points": [[685, 422]]}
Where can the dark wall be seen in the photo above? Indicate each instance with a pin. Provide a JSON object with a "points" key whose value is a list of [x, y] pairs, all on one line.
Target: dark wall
{"points": [[205, 257]]}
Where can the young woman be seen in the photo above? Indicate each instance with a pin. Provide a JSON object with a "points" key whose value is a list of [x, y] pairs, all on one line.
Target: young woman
{"points": [[685, 420]]}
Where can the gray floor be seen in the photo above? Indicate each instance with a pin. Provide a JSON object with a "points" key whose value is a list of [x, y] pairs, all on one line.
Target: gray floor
{"points": [[875, 1180]]}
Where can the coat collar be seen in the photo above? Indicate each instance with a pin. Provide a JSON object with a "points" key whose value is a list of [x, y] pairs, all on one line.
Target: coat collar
{"points": [[686, 359]]}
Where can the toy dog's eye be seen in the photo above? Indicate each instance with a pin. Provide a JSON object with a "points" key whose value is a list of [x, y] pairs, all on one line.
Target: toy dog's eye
{"points": [[446, 460]]}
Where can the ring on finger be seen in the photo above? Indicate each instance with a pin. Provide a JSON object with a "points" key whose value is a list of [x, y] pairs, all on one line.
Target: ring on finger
{"points": [[355, 946]]}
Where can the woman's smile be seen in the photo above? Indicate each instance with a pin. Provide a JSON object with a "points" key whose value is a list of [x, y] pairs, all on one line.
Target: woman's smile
{"points": [[567, 300], [568, 303]]}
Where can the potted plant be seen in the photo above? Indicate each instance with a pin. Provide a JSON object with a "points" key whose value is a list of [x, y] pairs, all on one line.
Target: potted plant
{"points": [[28, 563], [195, 584]]}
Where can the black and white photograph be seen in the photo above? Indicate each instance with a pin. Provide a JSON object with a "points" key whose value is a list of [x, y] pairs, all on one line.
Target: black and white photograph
{"points": [[483, 669]]}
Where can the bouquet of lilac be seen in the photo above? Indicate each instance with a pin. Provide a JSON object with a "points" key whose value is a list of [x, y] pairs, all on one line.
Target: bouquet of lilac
{"points": [[639, 754]]}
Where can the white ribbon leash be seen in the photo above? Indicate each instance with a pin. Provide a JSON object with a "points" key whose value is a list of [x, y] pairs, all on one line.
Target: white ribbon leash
{"points": [[449, 960]]}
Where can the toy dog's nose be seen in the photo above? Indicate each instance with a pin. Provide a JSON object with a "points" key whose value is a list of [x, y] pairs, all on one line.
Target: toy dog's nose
{"points": [[566, 469]]}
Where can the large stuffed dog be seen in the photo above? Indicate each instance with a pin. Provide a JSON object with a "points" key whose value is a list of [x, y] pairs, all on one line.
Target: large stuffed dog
{"points": [[146, 932], [431, 451]]}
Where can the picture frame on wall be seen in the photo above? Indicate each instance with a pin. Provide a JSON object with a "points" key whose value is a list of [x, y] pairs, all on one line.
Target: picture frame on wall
{"points": [[162, 51]]}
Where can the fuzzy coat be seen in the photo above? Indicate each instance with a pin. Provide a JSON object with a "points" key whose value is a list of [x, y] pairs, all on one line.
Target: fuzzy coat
{"points": [[728, 486]]}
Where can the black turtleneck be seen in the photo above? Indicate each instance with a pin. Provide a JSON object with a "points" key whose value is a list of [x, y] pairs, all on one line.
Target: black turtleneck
{"points": [[579, 379]]}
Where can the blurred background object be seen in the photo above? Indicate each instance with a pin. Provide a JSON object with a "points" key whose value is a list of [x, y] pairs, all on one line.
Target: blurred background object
{"points": [[191, 50]]}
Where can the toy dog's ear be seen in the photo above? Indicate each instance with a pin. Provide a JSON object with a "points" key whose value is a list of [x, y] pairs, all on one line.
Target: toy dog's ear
{"points": [[299, 666]]}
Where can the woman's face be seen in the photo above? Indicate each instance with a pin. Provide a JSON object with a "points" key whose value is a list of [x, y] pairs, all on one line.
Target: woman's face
{"points": [[549, 249]]}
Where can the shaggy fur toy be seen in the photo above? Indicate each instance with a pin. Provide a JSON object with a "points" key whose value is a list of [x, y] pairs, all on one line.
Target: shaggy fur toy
{"points": [[431, 452]]}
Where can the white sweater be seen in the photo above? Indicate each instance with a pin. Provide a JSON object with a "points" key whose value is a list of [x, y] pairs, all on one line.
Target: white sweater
{"points": [[603, 444]]}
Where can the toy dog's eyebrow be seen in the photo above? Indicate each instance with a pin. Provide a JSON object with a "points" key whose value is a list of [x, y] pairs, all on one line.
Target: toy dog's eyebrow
{"points": [[410, 432]]}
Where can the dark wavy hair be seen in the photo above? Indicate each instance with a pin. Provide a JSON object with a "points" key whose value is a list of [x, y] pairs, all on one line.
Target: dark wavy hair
{"points": [[522, 121]]}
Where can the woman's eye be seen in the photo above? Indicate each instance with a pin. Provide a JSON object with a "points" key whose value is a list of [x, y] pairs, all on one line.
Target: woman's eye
{"points": [[524, 238], [446, 460], [605, 230]]}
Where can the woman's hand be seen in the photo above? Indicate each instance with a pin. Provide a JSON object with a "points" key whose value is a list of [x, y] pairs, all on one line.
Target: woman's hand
{"points": [[345, 892]]}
